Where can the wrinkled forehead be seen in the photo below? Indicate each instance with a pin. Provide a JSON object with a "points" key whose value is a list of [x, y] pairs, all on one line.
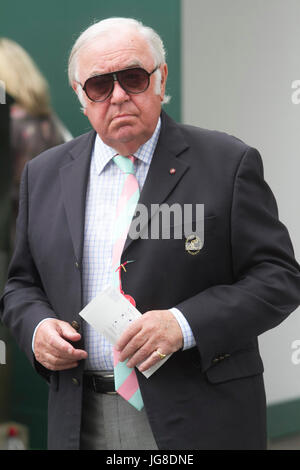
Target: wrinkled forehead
{"points": [[114, 51]]}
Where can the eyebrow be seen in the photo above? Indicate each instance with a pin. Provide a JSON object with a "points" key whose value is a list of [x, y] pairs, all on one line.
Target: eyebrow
{"points": [[131, 65]]}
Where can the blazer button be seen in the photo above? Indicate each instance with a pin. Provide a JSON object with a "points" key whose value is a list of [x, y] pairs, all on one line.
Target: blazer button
{"points": [[77, 264], [75, 325], [75, 381]]}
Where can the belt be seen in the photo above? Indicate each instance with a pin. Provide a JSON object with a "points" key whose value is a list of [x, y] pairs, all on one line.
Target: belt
{"points": [[100, 382]]}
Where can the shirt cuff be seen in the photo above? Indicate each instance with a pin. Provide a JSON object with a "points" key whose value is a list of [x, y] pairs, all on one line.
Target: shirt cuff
{"points": [[188, 337], [34, 333]]}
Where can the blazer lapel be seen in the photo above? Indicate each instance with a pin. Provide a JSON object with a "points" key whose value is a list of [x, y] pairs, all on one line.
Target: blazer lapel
{"points": [[160, 181], [74, 178]]}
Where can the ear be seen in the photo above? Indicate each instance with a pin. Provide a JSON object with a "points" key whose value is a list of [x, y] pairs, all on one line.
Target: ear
{"points": [[79, 94], [164, 75]]}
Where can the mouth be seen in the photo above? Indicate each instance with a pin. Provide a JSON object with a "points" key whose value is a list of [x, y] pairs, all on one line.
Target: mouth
{"points": [[123, 116]]}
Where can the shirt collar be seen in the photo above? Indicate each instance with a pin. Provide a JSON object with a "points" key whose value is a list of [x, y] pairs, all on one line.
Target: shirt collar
{"points": [[102, 153]]}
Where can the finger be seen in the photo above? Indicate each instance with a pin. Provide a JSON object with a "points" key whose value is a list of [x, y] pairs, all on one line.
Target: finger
{"points": [[58, 362], [68, 332], [68, 354], [149, 362], [59, 347], [63, 366], [133, 346], [78, 354], [53, 362], [141, 355], [128, 334], [68, 366]]}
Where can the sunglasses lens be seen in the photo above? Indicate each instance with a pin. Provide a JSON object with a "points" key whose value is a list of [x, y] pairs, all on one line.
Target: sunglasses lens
{"points": [[98, 88], [134, 80]]}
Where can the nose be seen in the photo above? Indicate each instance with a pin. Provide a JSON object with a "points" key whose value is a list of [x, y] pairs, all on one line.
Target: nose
{"points": [[118, 95]]}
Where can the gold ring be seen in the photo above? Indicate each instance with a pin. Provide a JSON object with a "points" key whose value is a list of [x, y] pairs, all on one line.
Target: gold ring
{"points": [[161, 356]]}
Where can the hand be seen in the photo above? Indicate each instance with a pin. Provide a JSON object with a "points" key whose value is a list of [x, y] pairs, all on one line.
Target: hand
{"points": [[155, 330], [52, 348]]}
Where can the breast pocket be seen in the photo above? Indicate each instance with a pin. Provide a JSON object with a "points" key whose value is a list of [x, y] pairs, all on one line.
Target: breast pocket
{"points": [[192, 232]]}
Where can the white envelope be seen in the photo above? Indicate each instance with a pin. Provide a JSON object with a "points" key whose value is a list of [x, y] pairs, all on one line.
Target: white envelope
{"points": [[110, 313]]}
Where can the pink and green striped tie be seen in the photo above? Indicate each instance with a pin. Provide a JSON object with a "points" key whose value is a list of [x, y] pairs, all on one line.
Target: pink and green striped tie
{"points": [[126, 383]]}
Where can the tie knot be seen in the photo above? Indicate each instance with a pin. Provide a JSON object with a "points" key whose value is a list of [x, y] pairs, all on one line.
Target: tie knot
{"points": [[126, 164]]}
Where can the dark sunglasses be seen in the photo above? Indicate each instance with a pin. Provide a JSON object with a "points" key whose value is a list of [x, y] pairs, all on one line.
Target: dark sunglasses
{"points": [[133, 81]]}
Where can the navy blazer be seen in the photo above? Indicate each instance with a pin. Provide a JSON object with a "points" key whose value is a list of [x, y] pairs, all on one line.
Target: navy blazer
{"points": [[243, 281]]}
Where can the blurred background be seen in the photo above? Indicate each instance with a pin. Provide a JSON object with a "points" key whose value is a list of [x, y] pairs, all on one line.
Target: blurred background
{"points": [[231, 68]]}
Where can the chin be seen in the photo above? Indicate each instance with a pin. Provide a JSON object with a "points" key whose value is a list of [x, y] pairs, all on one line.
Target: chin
{"points": [[125, 133]]}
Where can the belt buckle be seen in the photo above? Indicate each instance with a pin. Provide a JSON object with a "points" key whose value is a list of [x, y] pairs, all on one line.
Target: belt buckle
{"points": [[104, 376], [110, 376], [114, 392]]}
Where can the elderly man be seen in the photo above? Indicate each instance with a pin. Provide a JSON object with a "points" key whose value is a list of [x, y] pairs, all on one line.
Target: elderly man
{"points": [[205, 303]]}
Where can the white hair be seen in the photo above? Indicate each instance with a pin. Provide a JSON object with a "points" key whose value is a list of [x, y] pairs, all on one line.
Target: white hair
{"points": [[116, 24]]}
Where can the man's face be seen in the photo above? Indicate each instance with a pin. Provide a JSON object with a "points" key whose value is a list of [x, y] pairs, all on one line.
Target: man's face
{"points": [[123, 121]]}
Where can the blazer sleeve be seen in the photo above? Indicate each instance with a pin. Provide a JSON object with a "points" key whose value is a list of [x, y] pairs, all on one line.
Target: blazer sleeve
{"points": [[266, 287], [23, 303]]}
